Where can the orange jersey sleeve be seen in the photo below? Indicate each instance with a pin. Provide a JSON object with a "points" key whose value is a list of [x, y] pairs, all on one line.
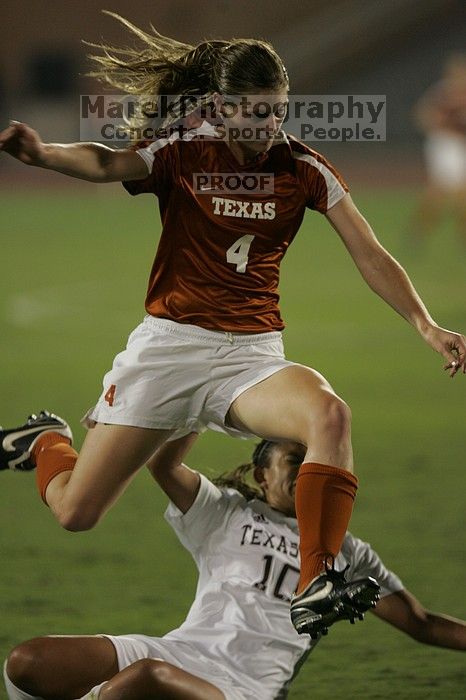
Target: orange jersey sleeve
{"points": [[218, 259], [322, 184]]}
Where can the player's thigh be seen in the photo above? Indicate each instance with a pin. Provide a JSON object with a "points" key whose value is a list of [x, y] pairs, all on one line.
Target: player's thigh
{"points": [[109, 458], [158, 679], [283, 405], [66, 667]]}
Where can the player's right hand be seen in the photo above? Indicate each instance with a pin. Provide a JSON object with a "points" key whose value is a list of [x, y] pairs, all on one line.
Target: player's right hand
{"points": [[23, 143]]}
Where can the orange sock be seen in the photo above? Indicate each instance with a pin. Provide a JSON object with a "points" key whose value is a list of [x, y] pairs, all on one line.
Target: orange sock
{"points": [[324, 502], [52, 454]]}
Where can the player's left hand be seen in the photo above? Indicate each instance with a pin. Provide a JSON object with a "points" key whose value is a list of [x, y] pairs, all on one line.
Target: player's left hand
{"points": [[451, 345]]}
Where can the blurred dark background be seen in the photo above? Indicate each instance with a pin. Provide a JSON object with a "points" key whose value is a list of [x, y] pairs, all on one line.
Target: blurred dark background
{"points": [[391, 47]]}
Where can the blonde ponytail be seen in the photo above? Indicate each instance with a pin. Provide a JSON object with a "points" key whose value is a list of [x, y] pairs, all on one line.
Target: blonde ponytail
{"points": [[165, 66]]}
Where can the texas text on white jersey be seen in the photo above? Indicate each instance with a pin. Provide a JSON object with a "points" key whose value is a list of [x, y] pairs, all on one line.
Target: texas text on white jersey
{"points": [[248, 560]]}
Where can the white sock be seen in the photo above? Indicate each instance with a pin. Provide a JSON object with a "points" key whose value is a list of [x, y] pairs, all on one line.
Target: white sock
{"points": [[94, 693], [13, 692]]}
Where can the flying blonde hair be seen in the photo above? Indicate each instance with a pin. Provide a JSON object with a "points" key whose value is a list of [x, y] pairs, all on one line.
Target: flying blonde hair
{"points": [[162, 65]]}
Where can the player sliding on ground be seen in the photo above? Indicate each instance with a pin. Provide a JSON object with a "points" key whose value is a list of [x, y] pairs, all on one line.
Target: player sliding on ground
{"points": [[209, 352], [237, 642]]}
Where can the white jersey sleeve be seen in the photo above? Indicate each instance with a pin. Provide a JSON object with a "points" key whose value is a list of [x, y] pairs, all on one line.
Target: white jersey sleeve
{"points": [[364, 561], [209, 512]]}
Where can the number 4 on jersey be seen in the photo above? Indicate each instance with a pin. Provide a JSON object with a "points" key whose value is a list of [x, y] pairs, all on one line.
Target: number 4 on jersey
{"points": [[110, 395], [237, 254]]}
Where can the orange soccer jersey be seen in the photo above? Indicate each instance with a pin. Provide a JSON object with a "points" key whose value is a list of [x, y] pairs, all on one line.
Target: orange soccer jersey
{"points": [[217, 264]]}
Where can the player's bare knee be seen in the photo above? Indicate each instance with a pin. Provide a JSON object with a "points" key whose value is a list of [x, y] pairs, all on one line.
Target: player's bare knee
{"points": [[334, 417], [23, 663], [153, 673], [162, 673], [77, 520]]}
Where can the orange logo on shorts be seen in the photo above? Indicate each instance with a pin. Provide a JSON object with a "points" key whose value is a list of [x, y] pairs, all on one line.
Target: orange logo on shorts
{"points": [[110, 395]]}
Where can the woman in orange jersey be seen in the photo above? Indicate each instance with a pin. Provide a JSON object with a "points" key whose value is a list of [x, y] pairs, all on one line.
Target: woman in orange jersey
{"points": [[209, 352]]}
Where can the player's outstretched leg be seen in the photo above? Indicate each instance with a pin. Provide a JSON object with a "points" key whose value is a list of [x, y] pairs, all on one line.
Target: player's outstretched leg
{"points": [[298, 404], [16, 444], [330, 598]]}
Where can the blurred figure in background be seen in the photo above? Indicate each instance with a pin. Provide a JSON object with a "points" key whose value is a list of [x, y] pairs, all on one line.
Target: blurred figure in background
{"points": [[441, 114]]}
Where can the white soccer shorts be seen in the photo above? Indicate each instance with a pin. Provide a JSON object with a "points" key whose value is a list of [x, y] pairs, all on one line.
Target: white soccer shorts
{"points": [[185, 378], [446, 160], [132, 648]]}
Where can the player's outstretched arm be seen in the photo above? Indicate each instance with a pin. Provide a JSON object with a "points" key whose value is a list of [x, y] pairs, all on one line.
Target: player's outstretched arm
{"points": [[405, 612], [179, 482], [389, 280], [86, 161]]}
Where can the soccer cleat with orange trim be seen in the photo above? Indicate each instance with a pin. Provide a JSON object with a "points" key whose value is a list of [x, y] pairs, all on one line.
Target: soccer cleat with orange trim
{"points": [[16, 444], [330, 598]]}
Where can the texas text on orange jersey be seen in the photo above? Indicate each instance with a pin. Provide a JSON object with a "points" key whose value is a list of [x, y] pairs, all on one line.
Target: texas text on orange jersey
{"points": [[217, 264]]}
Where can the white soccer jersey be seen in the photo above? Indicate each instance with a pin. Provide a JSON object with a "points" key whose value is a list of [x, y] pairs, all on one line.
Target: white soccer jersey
{"points": [[248, 560]]}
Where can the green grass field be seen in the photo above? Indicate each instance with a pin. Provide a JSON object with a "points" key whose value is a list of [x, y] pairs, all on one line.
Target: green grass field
{"points": [[74, 269]]}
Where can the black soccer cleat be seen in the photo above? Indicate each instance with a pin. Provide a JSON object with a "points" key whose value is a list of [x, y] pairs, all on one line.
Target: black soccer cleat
{"points": [[16, 444], [330, 598]]}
